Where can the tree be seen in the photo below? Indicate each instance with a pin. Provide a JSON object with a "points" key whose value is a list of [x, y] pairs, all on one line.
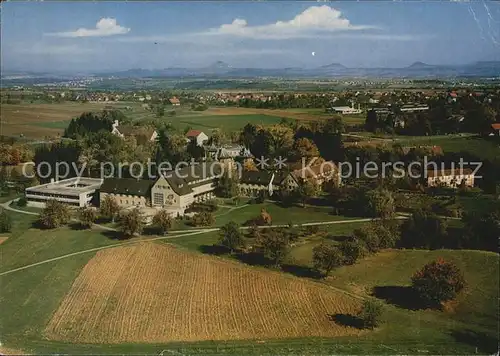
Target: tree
{"points": [[5, 221], [371, 122], [203, 218], [274, 245], [371, 313], [424, 229], [481, 231], [87, 216], [380, 203], [352, 249], [305, 190], [230, 236], [228, 185], [326, 257], [55, 214], [264, 217], [109, 208], [304, 147], [163, 221], [437, 282], [195, 151], [132, 222]]}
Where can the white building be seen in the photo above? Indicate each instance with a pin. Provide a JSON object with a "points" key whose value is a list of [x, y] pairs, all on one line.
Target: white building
{"points": [[78, 191], [198, 136], [451, 178], [347, 110], [174, 191]]}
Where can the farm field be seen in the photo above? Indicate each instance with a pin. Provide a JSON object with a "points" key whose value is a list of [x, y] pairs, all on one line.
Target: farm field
{"points": [[36, 120], [40, 120], [188, 297]]}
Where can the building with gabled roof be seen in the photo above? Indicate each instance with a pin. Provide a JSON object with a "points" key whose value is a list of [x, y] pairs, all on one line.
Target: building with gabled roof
{"points": [[174, 190], [198, 136]]}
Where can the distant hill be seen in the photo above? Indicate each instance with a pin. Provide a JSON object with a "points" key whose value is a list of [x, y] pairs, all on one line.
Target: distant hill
{"points": [[420, 65]]}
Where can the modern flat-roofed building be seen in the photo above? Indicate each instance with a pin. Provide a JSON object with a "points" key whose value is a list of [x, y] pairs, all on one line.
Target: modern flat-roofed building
{"points": [[77, 191]]}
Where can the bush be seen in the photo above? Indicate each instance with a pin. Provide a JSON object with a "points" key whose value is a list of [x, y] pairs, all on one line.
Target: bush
{"points": [[438, 282], [5, 221], [22, 202], [203, 218], [371, 313]]}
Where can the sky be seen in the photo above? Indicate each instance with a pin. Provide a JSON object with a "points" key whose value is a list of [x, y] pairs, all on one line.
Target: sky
{"points": [[104, 36]]}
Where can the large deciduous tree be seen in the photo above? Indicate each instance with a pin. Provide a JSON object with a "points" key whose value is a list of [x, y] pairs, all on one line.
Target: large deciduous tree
{"points": [[132, 222], [109, 208], [437, 282], [55, 214], [326, 257], [231, 237], [163, 221]]}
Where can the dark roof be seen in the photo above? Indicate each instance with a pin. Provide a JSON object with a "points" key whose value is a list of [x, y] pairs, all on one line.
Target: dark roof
{"points": [[262, 177], [182, 180], [127, 186]]}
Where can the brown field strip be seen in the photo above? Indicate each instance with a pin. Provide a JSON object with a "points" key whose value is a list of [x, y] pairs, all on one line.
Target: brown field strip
{"points": [[157, 293]]}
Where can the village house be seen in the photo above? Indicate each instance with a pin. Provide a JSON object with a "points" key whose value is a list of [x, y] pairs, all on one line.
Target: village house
{"points": [[174, 101], [495, 129], [198, 136], [450, 178], [318, 174], [174, 191], [127, 130], [253, 182]]}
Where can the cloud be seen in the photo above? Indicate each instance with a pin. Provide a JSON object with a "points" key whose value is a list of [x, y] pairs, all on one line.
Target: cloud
{"points": [[313, 20], [104, 27]]}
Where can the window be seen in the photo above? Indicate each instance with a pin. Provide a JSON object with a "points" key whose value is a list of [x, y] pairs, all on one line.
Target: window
{"points": [[158, 199]]}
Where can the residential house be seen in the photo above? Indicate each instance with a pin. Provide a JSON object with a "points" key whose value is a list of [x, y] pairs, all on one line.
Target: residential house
{"points": [[495, 129], [198, 136], [175, 101], [451, 178], [253, 182], [326, 171]]}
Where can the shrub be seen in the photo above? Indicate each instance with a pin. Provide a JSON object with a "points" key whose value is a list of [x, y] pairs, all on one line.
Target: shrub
{"points": [[371, 313], [5, 221], [203, 218], [437, 282], [22, 202]]}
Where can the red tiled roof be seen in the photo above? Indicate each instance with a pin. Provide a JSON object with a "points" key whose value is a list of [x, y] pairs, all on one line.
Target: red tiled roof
{"points": [[193, 133], [174, 100], [495, 126]]}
